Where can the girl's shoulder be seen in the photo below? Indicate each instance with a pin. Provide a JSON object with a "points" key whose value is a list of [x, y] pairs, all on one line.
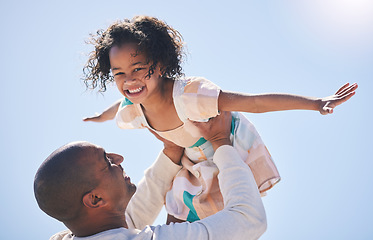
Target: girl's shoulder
{"points": [[130, 116], [193, 85], [193, 79], [195, 98]]}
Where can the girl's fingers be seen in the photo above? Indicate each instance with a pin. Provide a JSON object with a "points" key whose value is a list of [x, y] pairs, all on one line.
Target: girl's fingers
{"points": [[87, 119], [347, 90], [348, 96], [344, 98], [342, 88], [326, 110]]}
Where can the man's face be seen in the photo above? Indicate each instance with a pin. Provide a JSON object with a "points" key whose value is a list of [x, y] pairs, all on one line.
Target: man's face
{"points": [[114, 186]]}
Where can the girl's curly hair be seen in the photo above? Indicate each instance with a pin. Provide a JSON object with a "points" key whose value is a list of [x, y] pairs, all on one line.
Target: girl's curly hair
{"points": [[157, 40]]}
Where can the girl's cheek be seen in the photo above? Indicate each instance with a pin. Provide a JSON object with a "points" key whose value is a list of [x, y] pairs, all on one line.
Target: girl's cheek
{"points": [[119, 86], [144, 76], [118, 81]]}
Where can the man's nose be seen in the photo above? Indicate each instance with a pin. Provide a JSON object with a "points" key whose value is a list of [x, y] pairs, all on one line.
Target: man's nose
{"points": [[116, 158]]}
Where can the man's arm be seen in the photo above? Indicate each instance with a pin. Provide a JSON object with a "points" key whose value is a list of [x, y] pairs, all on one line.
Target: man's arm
{"points": [[243, 216], [149, 198], [268, 102]]}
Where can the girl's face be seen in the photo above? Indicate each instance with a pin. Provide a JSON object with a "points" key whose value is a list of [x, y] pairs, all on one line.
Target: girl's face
{"points": [[130, 69]]}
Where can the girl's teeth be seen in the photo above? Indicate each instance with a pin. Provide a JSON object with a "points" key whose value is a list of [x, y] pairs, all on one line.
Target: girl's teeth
{"points": [[135, 90]]}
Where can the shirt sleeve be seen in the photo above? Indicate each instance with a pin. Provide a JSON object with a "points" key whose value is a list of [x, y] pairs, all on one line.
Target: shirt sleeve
{"points": [[149, 198], [243, 216], [63, 235], [196, 99], [129, 116]]}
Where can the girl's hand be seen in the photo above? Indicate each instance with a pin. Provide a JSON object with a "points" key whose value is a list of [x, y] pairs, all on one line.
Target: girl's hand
{"points": [[97, 118], [107, 114], [327, 104], [171, 150]]}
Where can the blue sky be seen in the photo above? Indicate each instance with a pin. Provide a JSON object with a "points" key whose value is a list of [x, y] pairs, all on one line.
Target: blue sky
{"points": [[303, 47]]}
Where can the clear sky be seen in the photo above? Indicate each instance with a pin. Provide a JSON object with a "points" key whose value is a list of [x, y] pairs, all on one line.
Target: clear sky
{"points": [[309, 47]]}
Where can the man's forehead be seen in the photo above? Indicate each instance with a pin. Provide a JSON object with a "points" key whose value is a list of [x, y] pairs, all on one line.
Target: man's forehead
{"points": [[89, 153], [97, 151]]}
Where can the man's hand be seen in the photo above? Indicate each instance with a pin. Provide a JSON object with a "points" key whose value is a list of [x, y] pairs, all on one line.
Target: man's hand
{"points": [[171, 150], [217, 130]]}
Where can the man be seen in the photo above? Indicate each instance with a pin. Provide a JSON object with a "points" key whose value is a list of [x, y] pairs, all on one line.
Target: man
{"points": [[87, 189]]}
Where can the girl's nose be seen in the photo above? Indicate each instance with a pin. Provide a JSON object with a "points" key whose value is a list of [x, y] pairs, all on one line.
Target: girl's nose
{"points": [[129, 80]]}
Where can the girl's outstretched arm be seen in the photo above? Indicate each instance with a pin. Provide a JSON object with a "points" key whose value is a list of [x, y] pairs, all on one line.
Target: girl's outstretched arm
{"points": [[107, 114], [268, 102]]}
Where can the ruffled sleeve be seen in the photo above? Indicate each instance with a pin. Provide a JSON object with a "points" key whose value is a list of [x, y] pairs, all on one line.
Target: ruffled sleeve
{"points": [[196, 99]]}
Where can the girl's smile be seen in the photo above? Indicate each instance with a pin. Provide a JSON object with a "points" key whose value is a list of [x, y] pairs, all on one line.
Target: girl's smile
{"points": [[132, 93], [131, 74], [136, 90]]}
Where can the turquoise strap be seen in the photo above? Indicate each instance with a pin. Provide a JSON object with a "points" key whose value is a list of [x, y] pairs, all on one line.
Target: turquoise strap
{"points": [[126, 102], [199, 142], [232, 126]]}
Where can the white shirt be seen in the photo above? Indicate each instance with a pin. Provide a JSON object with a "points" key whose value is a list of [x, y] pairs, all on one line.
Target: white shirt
{"points": [[242, 218]]}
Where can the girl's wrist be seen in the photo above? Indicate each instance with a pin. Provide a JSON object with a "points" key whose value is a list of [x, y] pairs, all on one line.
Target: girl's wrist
{"points": [[318, 104]]}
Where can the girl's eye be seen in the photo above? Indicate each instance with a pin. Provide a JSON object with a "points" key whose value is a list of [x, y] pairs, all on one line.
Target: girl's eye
{"points": [[119, 73], [137, 69]]}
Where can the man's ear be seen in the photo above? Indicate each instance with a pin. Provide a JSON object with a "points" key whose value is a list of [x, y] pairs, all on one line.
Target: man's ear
{"points": [[93, 200]]}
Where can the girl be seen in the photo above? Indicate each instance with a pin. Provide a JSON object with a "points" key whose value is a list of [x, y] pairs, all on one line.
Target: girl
{"points": [[143, 56]]}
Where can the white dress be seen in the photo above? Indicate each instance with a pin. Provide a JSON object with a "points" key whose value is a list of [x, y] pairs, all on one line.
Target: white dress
{"points": [[195, 193]]}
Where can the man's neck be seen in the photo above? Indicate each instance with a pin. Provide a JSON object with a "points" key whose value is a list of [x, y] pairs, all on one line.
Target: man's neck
{"points": [[93, 225]]}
